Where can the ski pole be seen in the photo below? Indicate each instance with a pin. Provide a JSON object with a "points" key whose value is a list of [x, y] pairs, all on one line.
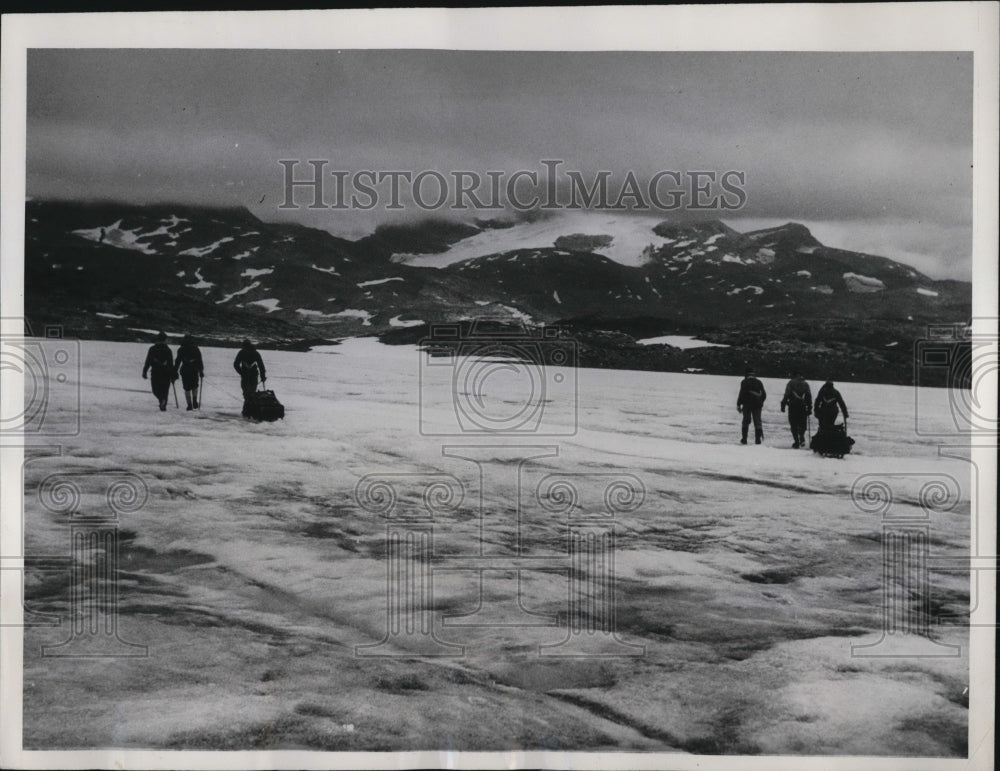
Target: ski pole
{"points": [[173, 384], [201, 388]]}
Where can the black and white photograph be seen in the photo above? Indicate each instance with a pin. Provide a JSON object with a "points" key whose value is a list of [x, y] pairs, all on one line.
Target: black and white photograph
{"points": [[560, 388]]}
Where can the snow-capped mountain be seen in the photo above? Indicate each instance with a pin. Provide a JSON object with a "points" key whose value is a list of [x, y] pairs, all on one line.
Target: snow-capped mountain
{"points": [[117, 271]]}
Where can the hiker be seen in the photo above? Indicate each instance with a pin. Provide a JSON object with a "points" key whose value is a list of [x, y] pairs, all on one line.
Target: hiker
{"points": [[798, 400], [160, 365], [749, 402], [249, 364], [190, 367], [828, 404]]}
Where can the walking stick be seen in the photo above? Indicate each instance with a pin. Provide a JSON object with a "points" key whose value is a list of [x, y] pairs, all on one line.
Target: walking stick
{"points": [[201, 387], [173, 384]]}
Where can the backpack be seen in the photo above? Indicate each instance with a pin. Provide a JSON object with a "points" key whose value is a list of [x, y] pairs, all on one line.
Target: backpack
{"points": [[802, 396], [826, 404], [162, 360], [248, 366]]}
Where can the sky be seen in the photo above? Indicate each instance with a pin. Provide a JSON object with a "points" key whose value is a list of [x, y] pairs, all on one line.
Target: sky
{"points": [[872, 151]]}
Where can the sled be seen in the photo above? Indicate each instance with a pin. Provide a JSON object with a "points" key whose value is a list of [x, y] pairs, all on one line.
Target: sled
{"points": [[832, 442], [263, 405]]}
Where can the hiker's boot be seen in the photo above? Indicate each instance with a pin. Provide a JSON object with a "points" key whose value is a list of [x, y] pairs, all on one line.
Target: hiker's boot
{"points": [[743, 440], [187, 396], [758, 438], [195, 402], [796, 445], [163, 405]]}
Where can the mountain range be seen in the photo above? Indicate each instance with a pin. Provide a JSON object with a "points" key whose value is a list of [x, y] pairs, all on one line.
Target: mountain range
{"points": [[776, 297]]}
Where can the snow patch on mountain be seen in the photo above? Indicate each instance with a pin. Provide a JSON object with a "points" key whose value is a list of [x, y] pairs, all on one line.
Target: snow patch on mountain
{"points": [[858, 283], [630, 236], [270, 303], [926, 292], [244, 290], [154, 332], [254, 272], [331, 271], [114, 235], [750, 288], [201, 283], [555, 296], [521, 315], [396, 321], [377, 281], [365, 316], [679, 341], [201, 251], [113, 315]]}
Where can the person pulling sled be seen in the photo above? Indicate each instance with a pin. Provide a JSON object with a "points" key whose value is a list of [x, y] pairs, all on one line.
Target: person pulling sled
{"points": [[250, 367], [257, 405], [750, 402], [191, 369], [159, 367], [831, 440], [798, 400]]}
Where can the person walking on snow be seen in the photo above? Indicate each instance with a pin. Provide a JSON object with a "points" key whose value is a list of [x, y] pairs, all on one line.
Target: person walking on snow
{"points": [[250, 366], [749, 402], [160, 366], [798, 400], [190, 367], [828, 404]]}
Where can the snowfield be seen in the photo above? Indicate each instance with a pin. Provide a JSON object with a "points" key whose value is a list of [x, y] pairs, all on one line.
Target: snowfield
{"points": [[631, 236], [742, 575]]}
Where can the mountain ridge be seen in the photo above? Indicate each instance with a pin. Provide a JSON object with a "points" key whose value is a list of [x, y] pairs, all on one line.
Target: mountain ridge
{"points": [[106, 269]]}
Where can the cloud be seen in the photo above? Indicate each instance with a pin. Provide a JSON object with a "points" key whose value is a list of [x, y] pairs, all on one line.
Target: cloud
{"points": [[850, 138]]}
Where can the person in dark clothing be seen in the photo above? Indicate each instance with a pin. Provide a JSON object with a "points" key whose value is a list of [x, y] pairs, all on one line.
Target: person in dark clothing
{"points": [[828, 404], [798, 400], [160, 366], [250, 366], [749, 402], [190, 367]]}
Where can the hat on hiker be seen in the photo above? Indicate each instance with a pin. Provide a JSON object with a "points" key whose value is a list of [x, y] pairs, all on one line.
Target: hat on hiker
{"points": [[161, 337]]}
